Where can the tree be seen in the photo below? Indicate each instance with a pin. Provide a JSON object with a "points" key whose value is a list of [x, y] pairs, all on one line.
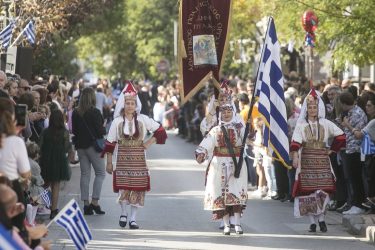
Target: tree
{"points": [[346, 28]]}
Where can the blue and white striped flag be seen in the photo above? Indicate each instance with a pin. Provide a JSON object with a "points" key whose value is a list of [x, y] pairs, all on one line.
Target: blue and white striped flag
{"points": [[6, 35], [6, 240], [270, 97], [29, 32], [46, 197], [368, 145], [72, 220]]}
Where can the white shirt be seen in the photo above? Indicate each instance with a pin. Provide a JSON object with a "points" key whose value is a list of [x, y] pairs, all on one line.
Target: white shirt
{"points": [[13, 157]]}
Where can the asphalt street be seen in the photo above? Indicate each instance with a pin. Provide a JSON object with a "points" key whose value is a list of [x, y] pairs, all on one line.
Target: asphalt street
{"points": [[173, 216]]}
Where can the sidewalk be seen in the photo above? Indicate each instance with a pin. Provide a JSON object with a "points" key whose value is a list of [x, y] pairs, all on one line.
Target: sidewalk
{"points": [[362, 225]]}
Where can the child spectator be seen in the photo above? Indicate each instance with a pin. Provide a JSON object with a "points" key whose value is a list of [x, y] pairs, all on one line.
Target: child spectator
{"points": [[36, 183]]}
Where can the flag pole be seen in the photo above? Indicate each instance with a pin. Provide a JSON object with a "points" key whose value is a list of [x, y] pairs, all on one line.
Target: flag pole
{"points": [[252, 103], [21, 34], [18, 37]]}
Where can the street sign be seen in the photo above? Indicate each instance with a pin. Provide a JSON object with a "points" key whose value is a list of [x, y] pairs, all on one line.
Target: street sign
{"points": [[163, 66]]}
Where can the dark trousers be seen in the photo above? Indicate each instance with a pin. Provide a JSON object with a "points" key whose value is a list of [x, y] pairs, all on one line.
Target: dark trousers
{"points": [[341, 191], [252, 176], [369, 176], [353, 178], [282, 180], [292, 178]]}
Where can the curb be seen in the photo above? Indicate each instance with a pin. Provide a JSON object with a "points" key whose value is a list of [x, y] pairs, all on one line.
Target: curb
{"points": [[361, 225]]}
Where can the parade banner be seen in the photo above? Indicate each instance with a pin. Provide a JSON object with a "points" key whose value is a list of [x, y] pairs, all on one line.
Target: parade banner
{"points": [[203, 33]]}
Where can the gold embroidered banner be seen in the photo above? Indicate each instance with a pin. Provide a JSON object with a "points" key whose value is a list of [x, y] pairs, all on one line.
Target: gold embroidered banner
{"points": [[203, 33]]}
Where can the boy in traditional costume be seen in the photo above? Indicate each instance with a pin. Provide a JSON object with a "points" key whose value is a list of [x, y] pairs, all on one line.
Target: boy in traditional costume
{"points": [[125, 149], [225, 195], [310, 154]]}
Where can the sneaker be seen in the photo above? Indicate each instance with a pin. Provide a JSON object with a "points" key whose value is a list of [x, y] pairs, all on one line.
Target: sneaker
{"points": [[354, 210], [43, 211], [343, 208], [371, 200], [367, 204]]}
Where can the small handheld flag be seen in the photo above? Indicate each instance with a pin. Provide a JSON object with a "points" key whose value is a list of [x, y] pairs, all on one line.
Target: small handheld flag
{"points": [[72, 220], [45, 195]]}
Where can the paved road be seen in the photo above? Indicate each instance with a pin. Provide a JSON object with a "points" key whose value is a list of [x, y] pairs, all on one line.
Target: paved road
{"points": [[173, 217]]}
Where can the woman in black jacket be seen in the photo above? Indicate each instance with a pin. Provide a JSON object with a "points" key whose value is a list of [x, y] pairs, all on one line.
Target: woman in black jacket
{"points": [[87, 123]]}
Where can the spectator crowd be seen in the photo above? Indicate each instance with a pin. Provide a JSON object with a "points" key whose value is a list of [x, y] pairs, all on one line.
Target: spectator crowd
{"points": [[32, 139]]}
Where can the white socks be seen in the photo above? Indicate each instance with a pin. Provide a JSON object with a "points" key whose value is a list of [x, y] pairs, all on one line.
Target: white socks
{"points": [[226, 220], [133, 213], [123, 209], [321, 217], [312, 219], [237, 219], [31, 214]]}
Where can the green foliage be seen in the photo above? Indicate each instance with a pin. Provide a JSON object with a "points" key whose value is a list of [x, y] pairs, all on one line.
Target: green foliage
{"points": [[136, 35], [346, 27], [132, 36], [58, 59]]}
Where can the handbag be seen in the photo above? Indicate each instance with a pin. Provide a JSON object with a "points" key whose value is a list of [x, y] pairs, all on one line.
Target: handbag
{"points": [[98, 143]]}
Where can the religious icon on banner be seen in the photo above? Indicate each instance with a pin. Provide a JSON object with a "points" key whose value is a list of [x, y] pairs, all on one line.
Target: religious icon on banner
{"points": [[203, 41], [204, 50]]}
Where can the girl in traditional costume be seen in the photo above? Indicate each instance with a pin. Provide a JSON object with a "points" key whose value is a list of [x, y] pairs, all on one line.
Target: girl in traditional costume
{"points": [[310, 154], [125, 149], [225, 194]]}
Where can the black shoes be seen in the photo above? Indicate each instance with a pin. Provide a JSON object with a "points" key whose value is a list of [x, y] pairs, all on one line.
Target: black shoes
{"points": [[53, 214], [90, 209], [323, 226], [123, 220], [312, 228], [343, 208], [133, 225], [87, 210], [97, 209]]}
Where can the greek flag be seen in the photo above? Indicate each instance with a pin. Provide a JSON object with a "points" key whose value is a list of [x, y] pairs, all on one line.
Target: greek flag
{"points": [[270, 97], [29, 32], [6, 241], [72, 220], [368, 146], [46, 197], [6, 35]]}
